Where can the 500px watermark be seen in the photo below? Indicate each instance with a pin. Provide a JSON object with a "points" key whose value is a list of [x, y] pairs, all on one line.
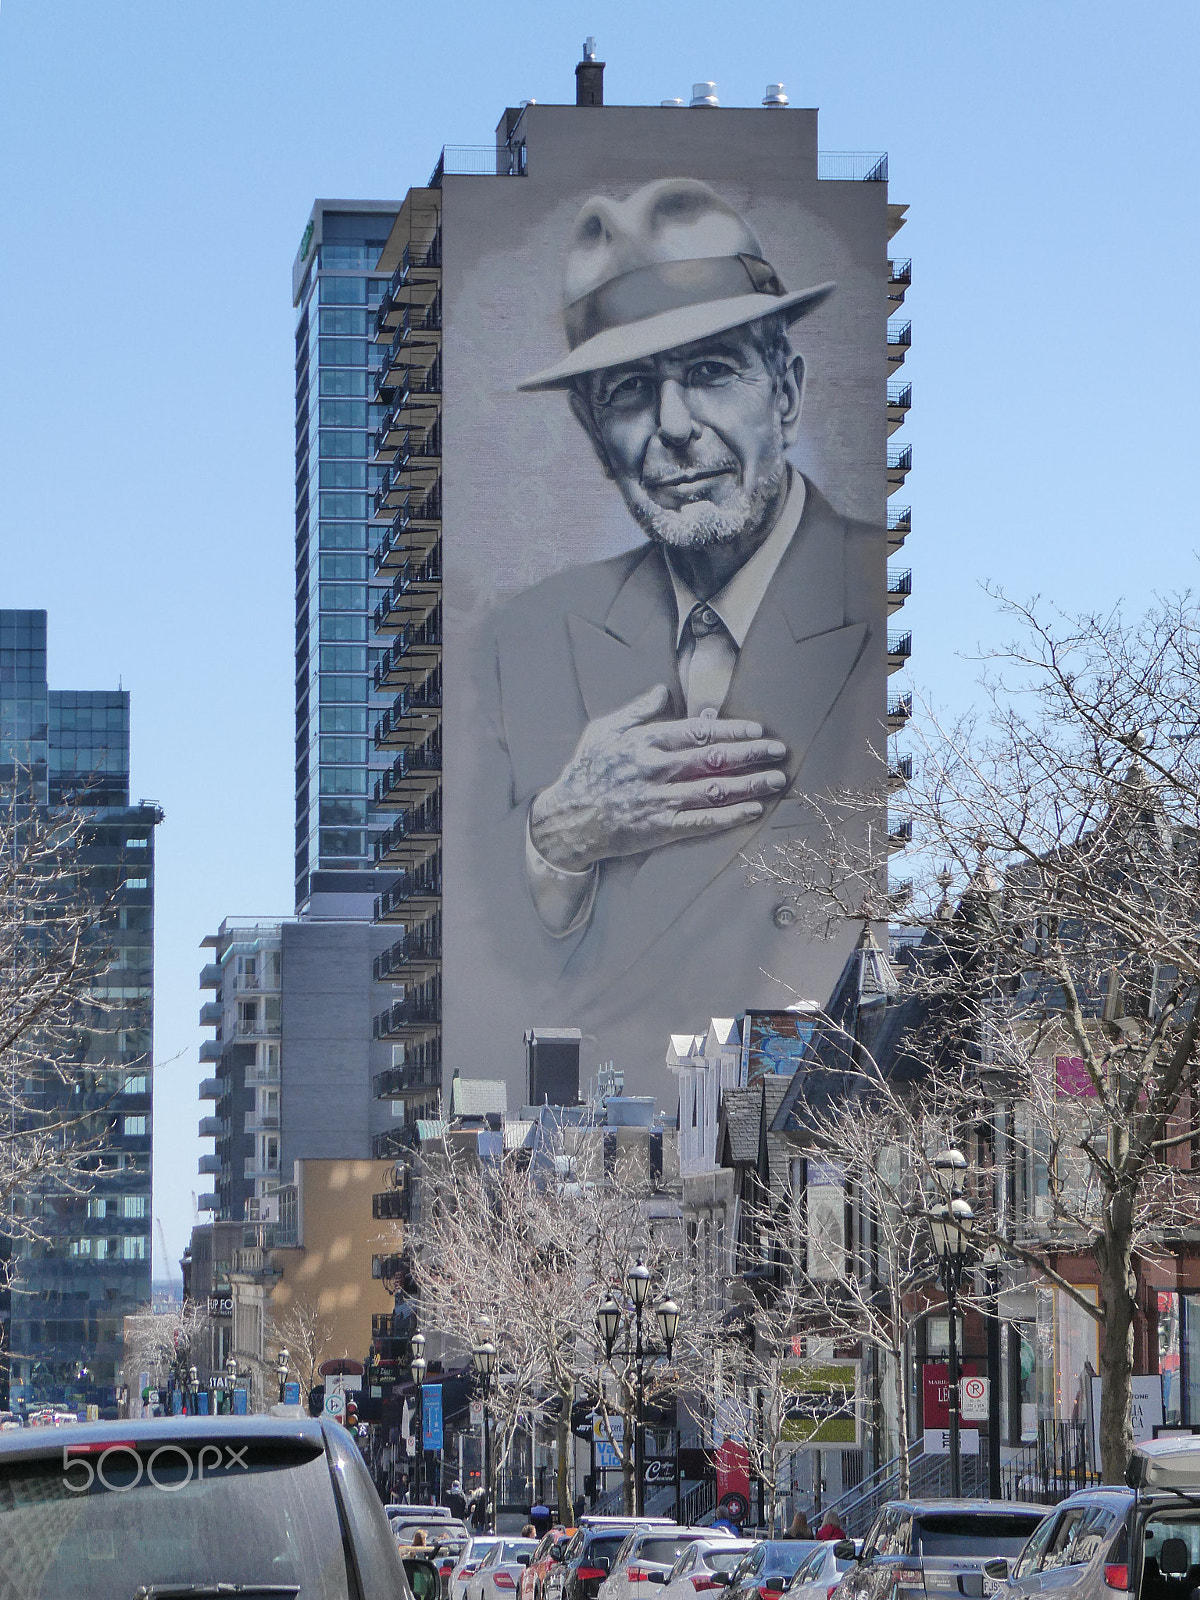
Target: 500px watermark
{"points": [[83, 1468]]}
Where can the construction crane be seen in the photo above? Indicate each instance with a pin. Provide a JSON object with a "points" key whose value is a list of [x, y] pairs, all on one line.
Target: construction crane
{"points": [[166, 1257]]}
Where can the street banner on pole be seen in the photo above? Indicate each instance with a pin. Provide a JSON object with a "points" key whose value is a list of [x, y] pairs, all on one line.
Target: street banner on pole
{"points": [[432, 1419]]}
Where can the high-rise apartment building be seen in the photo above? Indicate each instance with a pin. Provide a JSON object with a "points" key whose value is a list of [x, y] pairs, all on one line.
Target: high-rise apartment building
{"points": [[557, 333], [71, 1287], [336, 290]]}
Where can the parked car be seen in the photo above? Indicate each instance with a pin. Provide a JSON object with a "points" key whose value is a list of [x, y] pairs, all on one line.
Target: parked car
{"points": [[498, 1575], [535, 1580], [704, 1564], [1112, 1542], [818, 1576], [920, 1548], [643, 1563], [587, 1560], [765, 1571], [179, 1505], [474, 1552]]}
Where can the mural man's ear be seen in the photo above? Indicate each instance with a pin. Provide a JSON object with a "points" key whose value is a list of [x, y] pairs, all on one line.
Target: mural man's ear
{"points": [[583, 414], [791, 399]]}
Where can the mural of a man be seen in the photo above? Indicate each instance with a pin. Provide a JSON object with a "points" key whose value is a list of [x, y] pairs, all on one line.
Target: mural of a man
{"points": [[656, 715]]}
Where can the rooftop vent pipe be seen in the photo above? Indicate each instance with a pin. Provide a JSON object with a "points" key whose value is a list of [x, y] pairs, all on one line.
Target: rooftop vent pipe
{"points": [[704, 94], [775, 95], [589, 77]]}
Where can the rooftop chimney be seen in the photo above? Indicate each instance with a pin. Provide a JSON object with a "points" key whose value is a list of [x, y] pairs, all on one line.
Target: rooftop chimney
{"points": [[704, 94], [589, 77]]}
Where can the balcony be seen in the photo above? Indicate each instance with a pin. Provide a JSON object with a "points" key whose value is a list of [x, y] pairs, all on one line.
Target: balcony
{"points": [[257, 1028], [262, 1122], [900, 836], [899, 710], [211, 1014], [412, 655], [899, 404], [393, 1205], [899, 339], [258, 1167], [210, 975], [899, 281], [899, 526], [412, 715], [412, 894], [414, 283], [211, 1127], [414, 592], [415, 468], [899, 773], [210, 1050], [400, 1082], [207, 1202], [899, 465], [411, 958], [899, 648], [264, 1074], [209, 1166], [414, 835], [416, 526], [212, 1088], [412, 777], [899, 587]]}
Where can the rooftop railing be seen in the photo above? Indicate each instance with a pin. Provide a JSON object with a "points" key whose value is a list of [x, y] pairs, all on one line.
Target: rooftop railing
{"points": [[854, 166]]}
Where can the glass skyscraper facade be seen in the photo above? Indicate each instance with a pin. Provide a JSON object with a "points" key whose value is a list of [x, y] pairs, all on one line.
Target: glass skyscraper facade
{"points": [[89, 1265], [337, 293]]}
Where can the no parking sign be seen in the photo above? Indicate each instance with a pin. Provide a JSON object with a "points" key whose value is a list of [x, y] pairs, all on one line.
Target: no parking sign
{"points": [[974, 1400]]}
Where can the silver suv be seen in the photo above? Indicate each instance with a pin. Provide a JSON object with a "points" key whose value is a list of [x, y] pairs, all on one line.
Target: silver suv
{"points": [[1110, 1543], [929, 1549]]}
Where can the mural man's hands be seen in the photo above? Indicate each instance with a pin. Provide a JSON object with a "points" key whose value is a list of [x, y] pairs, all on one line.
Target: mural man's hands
{"points": [[635, 783]]}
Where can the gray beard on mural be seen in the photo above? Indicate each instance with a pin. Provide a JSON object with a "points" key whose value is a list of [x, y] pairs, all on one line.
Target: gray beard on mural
{"points": [[656, 718]]}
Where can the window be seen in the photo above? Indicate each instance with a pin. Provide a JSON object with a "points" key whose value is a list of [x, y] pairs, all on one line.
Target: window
{"points": [[137, 844], [97, 1208], [342, 291], [133, 1205], [338, 812], [343, 383], [343, 506], [343, 658], [345, 323], [135, 1083], [343, 475], [343, 688], [343, 597], [340, 442], [343, 719], [342, 536], [133, 1247], [344, 568], [343, 414], [344, 353], [137, 883], [343, 780], [343, 750]]}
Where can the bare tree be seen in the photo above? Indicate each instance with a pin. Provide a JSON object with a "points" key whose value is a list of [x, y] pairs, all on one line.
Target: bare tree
{"points": [[306, 1333], [55, 1106], [526, 1254], [157, 1342], [1064, 818]]}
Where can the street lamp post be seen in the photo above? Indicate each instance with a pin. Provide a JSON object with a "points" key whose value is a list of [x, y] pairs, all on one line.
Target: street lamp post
{"points": [[608, 1320], [485, 1361], [230, 1382], [950, 1224], [194, 1390], [418, 1365], [281, 1369]]}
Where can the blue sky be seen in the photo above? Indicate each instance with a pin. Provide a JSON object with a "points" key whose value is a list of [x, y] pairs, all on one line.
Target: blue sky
{"points": [[159, 158]]}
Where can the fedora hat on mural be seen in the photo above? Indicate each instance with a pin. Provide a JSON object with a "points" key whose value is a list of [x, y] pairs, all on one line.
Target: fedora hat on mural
{"points": [[671, 264]]}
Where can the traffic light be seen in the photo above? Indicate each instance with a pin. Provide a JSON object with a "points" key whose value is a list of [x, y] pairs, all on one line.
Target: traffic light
{"points": [[351, 1414]]}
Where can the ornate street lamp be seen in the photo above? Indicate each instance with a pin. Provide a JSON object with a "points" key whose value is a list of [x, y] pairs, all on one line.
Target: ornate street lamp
{"points": [[608, 1322], [281, 1369], [485, 1362], [418, 1364], [950, 1226]]}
